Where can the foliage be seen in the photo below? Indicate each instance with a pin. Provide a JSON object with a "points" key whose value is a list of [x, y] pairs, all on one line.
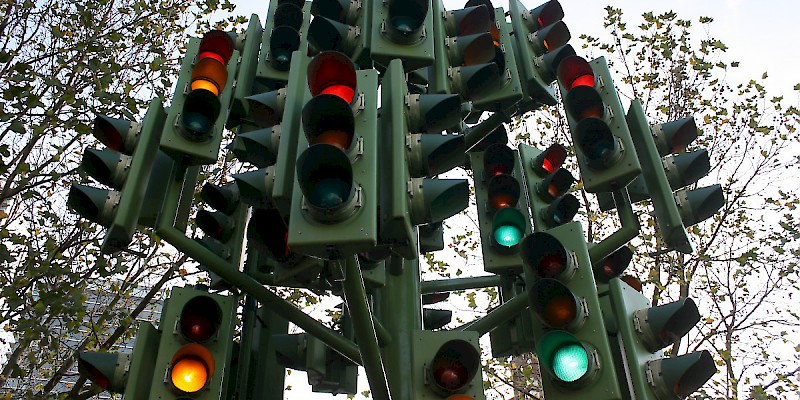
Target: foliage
{"points": [[61, 64]]}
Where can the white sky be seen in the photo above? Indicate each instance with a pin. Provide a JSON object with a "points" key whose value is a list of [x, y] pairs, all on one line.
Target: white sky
{"points": [[761, 35]]}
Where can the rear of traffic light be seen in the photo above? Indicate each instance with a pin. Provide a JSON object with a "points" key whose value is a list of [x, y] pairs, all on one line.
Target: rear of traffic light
{"points": [[448, 364], [502, 210], [548, 186], [334, 208], [644, 331], [575, 360], [401, 29], [413, 149], [286, 29], [193, 130], [540, 44], [660, 176], [126, 168], [603, 144], [196, 345], [341, 25]]}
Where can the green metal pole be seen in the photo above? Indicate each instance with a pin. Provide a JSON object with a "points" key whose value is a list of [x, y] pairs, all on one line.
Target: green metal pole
{"points": [[494, 318], [626, 233], [245, 349], [400, 307], [478, 132], [250, 286], [449, 285], [357, 304]]}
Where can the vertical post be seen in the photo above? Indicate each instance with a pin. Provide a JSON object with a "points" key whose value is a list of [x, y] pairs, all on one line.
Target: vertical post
{"points": [[401, 311]]}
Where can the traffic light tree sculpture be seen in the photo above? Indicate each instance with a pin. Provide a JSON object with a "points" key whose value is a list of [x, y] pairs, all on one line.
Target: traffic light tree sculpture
{"points": [[339, 193]]}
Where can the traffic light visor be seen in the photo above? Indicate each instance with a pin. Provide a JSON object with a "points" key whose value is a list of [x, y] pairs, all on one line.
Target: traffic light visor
{"points": [[326, 177], [544, 15], [555, 305], [454, 365], [615, 264], [289, 14], [504, 191], [508, 228], [200, 111], [407, 16], [200, 319], [565, 357], [575, 71], [328, 118], [112, 132], [546, 256], [498, 159], [597, 143], [550, 160], [216, 44], [555, 185], [209, 74], [329, 34], [332, 72], [284, 40], [469, 21], [191, 368]]}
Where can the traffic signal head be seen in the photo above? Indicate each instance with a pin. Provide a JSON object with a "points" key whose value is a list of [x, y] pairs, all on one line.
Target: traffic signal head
{"points": [[613, 265], [574, 351], [644, 331], [285, 37], [118, 134], [660, 176], [195, 345], [258, 147], [548, 185], [606, 154]]}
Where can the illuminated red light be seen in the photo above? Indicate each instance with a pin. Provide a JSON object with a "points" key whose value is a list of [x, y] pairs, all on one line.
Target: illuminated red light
{"points": [[575, 71], [345, 92], [452, 376], [331, 72], [216, 44], [499, 170]]}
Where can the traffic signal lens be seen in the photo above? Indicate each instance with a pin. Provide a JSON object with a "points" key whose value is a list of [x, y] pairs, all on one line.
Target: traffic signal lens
{"points": [[284, 40], [560, 311], [503, 201], [454, 365], [406, 16], [209, 74], [327, 118], [545, 255], [508, 235], [570, 362], [597, 142], [575, 71], [551, 265], [189, 374], [334, 73], [498, 159], [218, 45], [200, 111], [329, 193], [451, 377], [200, 319], [110, 131], [584, 102]]}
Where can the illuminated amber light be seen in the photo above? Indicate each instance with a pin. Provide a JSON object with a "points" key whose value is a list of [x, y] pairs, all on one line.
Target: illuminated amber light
{"points": [[553, 191], [189, 374], [560, 311], [206, 85]]}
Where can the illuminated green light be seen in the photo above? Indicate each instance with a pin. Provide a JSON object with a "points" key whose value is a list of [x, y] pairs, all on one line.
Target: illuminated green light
{"points": [[570, 362], [507, 235]]}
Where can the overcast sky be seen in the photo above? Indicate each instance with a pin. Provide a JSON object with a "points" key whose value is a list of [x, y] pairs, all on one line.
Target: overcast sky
{"points": [[761, 35]]}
